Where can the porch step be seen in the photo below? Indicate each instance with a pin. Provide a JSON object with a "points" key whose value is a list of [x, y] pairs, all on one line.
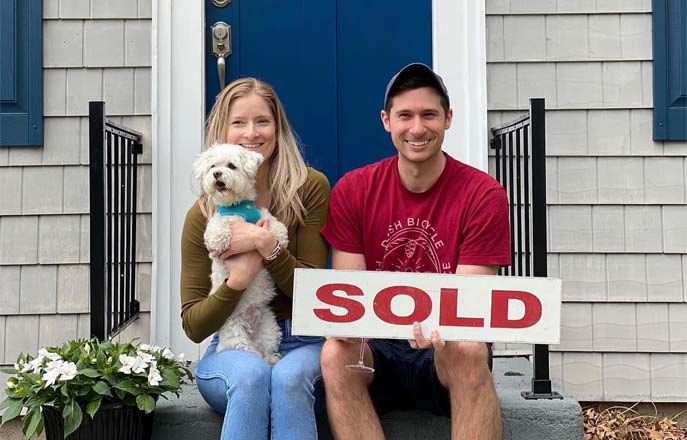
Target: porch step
{"points": [[191, 418]]}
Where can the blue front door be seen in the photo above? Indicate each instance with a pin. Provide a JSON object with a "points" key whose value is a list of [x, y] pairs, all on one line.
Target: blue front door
{"points": [[329, 62]]}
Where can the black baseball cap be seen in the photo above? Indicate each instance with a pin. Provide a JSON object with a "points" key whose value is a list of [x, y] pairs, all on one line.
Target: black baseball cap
{"points": [[417, 70]]}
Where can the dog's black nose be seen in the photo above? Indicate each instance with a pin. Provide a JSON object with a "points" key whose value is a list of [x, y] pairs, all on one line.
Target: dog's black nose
{"points": [[217, 174]]}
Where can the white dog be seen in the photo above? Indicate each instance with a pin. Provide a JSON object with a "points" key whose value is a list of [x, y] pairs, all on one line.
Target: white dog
{"points": [[227, 174]]}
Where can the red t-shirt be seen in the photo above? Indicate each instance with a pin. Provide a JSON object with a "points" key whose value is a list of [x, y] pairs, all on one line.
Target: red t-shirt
{"points": [[461, 219]]}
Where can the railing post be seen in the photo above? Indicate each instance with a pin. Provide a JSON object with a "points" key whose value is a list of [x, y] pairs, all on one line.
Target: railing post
{"points": [[541, 382], [98, 294]]}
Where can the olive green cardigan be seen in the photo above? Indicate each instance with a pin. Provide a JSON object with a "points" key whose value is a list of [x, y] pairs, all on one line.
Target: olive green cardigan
{"points": [[202, 314]]}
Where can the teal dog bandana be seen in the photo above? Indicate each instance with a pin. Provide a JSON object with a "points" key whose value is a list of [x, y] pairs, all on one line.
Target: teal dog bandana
{"points": [[244, 208]]}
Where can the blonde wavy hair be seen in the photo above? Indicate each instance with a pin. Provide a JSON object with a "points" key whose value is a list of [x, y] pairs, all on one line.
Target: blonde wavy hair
{"points": [[287, 172]]}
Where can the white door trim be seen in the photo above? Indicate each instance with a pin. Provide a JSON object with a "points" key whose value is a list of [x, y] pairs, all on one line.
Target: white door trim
{"points": [[178, 91]]}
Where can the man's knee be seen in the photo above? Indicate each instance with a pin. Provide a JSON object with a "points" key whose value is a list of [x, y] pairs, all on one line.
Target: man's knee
{"points": [[464, 362], [335, 353]]}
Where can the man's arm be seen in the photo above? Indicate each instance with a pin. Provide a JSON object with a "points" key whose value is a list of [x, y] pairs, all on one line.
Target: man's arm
{"points": [[347, 261], [466, 269]]}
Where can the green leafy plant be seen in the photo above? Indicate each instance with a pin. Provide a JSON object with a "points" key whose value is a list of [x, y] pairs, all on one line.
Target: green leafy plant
{"points": [[83, 374]]}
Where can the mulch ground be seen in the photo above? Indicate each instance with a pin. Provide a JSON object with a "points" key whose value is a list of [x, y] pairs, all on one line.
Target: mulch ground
{"points": [[625, 423]]}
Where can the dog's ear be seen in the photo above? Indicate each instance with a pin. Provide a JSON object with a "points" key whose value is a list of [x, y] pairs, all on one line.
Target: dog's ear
{"points": [[252, 161], [203, 163]]}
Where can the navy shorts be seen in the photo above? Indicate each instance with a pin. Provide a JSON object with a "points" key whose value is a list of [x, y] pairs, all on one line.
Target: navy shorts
{"points": [[405, 378]]}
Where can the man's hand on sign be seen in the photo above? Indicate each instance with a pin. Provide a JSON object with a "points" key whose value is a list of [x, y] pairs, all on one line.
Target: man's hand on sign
{"points": [[421, 342]]}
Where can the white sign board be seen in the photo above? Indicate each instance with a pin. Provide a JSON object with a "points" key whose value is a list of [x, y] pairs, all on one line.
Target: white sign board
{"points": [[376, 304]]}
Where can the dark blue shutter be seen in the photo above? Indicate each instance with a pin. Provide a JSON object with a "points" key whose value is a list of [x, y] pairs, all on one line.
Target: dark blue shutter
{"points": [[670, 69], [21, 72]]}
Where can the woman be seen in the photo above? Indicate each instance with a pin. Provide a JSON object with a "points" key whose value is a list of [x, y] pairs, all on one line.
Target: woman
{"points": [[239, 384]]}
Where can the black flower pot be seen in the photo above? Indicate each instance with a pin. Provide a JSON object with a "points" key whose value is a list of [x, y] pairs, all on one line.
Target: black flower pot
{"points": [[113, 421]]}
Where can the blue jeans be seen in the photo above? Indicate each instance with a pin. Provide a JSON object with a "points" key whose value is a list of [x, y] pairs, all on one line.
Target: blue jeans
{"points": [[254, 396]]}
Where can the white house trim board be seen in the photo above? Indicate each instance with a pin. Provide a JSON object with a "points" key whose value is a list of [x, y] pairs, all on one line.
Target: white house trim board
{"points": [[178, 82]]}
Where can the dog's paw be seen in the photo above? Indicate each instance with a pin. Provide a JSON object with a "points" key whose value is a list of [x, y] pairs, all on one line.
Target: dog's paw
{"points": [[217, 234], [273, 358]]}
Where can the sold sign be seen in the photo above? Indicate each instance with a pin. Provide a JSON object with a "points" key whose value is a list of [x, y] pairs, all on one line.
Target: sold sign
{"points": [[375, 304]]}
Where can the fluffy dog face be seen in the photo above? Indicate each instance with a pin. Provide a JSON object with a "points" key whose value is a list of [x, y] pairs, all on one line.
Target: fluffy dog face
{"points": [[227, 173]]}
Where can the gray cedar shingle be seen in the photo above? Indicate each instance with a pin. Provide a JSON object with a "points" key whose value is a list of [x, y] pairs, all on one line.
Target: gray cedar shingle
{"points": [[647, 83], [621, 180], [664, 278], [577, 180], [38, 290], [608, 230], [567, 37], [579, 85], [24, 331], [73, 288], [20, 156], [668, 379], [524, 37], [118, 91], [552, 196], [567, 6], [10, 196], [641, 134], [576, 327], [626, 277], [626, 376], [614, 327], [2, 341], [497, 6], [604, 37], [56, 329], [622, 84], [652, 328], [145, 8], [76, 190], [63, 43], [677, 314], [495, 41], [529, 6], [143, 284], [619, 5], [54, 92], [18, 240], [137, 42], [609, 132], [59, 239], [636, 36], [584, 277], [582, 375], [675, 229], [502, 92], [643, 229], [566, 132], [536, 80], [9, 290], [75, 8], [570, 228], [104, 42], [50, 8], [42, 190], [118, 9], [83, 85], [61, 141], [142, 91], [85, 240], [142, 124], [83, 329], [664, 180]]}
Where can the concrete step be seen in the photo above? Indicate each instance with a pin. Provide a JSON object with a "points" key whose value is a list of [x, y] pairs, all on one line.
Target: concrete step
{"points": [[191, 418]]}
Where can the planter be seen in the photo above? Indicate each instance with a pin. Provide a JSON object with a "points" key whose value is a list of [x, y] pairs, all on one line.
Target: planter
{"points": [[113, 421]]}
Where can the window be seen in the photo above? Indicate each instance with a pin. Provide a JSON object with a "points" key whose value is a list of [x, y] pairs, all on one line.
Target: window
{"points": [[21, 73], [670, 69]]}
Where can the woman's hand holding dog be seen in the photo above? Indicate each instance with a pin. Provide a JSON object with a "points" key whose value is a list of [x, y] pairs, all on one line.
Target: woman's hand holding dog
{"points": [[246, 237], [242, 269]]}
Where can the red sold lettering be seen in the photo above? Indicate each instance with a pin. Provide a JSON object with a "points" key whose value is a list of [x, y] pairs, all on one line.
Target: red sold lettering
{"points": [[499, 309], [448, 311], [382, 305], [354, 309]]}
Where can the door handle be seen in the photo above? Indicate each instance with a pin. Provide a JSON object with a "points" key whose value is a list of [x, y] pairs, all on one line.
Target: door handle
{"points": [[221, 48]]}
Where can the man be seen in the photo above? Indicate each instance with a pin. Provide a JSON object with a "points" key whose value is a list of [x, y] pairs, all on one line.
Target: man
{"points": [[418, 211]]}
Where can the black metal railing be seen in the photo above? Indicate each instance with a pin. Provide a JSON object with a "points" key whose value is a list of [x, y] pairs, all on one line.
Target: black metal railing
{"points": [[114, 154], [520, 166]]}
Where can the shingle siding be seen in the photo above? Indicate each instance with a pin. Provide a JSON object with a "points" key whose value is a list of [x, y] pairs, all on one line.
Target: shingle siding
{"points": [[617, 199], [93, 50]]}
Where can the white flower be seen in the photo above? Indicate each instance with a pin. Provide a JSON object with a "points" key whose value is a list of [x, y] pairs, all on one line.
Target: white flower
{"points": [[154, 377], [180, 358], [167, 354], [11, 384], [145, 357], [132, 364], [34, 365], [59, 370]]}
